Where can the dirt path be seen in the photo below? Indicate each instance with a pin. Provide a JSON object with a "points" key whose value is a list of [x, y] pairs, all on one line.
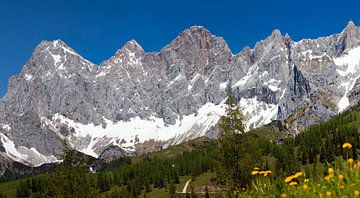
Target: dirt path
{"points": [[186, 185]]}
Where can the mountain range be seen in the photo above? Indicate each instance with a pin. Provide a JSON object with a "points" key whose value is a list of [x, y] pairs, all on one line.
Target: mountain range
{"points": [[137, 102]]}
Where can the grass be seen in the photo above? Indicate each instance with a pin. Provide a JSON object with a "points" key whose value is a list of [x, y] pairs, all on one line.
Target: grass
{"points": [[342, 179], [9, 188], [175, 150], [202, 180]]}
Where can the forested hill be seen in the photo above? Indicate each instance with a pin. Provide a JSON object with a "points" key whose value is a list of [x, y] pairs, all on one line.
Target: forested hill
{"points": [[163, 172]]}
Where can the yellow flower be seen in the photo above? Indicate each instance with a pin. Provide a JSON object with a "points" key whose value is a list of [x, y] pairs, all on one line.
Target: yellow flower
{"points": [[350, 160], [255, 172], [306, 180], [327, 178], [293, 183], [298, 174], [341, 177], [268, 172], [256, 168], [328, 193], [288, 179], [341, 186], [347, 146], [355, 166], [305, 186], [283, 195], [356, 193], [331, 171]]}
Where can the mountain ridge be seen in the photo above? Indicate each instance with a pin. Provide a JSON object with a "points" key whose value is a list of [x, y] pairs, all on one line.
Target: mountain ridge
{"points": [[139, 101]]}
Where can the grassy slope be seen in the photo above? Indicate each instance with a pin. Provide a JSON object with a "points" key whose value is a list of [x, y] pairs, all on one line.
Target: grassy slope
{"points": [[9, 188]]}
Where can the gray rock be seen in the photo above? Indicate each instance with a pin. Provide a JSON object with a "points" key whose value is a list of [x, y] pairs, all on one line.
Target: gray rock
{"points": [[280, 79]]}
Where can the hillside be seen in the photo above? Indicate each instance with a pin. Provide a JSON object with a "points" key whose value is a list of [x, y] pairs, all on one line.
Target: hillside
{"points": [[311, 153]]}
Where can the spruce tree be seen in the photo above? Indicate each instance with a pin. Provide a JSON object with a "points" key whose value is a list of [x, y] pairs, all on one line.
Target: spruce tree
{"points": [[237, 150]]}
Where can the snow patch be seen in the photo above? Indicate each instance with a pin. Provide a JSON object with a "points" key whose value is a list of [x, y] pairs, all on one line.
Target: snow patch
{"points": [[178, 77], [192, 82], [28, 77], [102, 73], [309, 54], [350, 61], [223, 85], [252, 70], [257, 113], [25, 155], [273, 84], [6, 127], [56, 57], [141, 129], [66, 50], [349, 71]]}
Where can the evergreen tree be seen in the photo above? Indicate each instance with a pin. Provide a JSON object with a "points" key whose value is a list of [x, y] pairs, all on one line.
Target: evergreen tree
{"points": [[237, 151], [172, 190], [207, 192]]}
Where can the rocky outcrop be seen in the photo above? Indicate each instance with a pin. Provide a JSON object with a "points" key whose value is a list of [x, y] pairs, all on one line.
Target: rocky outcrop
{"points": [[138, 101]]}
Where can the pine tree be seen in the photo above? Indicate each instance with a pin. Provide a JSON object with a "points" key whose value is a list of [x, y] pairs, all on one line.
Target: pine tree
{"points": [[237, 150], [207, 192], [172, 190]]}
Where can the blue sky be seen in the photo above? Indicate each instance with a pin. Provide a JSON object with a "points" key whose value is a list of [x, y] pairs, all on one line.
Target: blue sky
{"points": [[97, 28]]}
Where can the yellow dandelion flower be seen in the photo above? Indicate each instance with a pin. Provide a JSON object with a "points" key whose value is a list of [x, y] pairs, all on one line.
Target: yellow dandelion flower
{"points": [[355, 166], [327, 178], [350, 160], [341, 177], [356, 193], [288, 179], [283, 195], [342, 187], [306, 180], [347, 146], [328, 193], [294, 183], [331, 171], [256, 168], [268, 172], [298, 174], [255, 172], [305, 186], [262, 172]]}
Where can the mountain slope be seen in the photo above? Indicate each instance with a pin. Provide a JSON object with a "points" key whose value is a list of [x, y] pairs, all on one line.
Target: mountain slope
{"points": [[139, 101]]}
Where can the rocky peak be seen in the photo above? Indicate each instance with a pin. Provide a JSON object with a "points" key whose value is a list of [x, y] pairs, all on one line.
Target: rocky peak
{"points": [[55, 58], [276, 34], [350, 27], [131, 47], [348, 38], [196, 30], [129, 54], [146, 95], [196, 36], [55, 46]]}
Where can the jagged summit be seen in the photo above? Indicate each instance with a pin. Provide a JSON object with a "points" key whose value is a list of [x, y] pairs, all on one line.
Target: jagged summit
{"points": [[276, 33], [193, 33], [350, 28], [131, 46], [351, 25], [138, 102]]}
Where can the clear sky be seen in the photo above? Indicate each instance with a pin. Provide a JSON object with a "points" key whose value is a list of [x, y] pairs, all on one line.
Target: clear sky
{"points": [[97, 28]]}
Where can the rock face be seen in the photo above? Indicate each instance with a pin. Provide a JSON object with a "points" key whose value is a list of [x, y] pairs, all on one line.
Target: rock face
{"points": [[139, 102]]}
